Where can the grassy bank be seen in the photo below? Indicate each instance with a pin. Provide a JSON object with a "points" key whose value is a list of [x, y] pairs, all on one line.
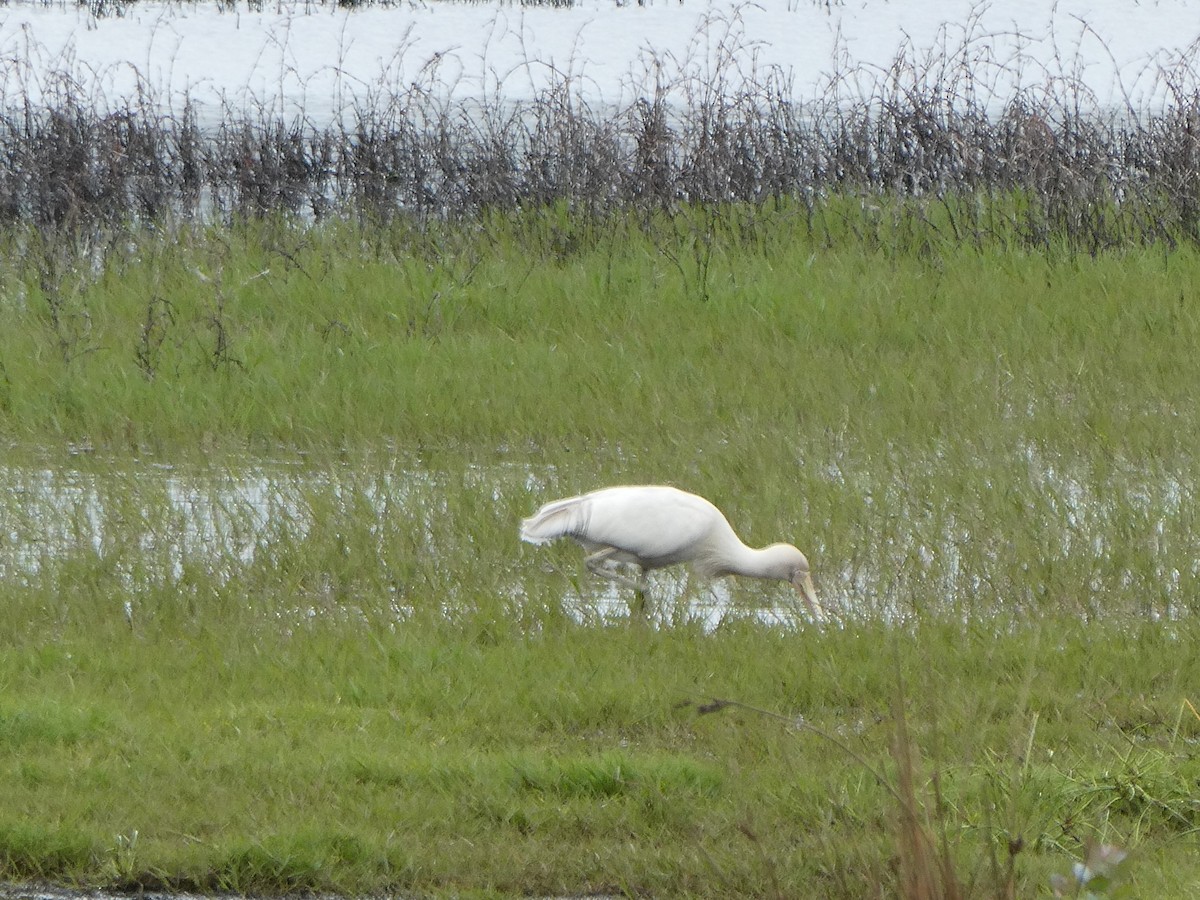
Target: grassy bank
{"points": [[270, 628], [483, 757]]}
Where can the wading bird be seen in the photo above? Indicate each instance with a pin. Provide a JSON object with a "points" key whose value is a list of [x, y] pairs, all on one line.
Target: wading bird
{"points": [[653, 526]]}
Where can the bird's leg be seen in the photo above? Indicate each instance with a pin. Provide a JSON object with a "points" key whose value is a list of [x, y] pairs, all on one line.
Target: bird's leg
{"points": [[601, 563], [638, 606], [681, 606]]}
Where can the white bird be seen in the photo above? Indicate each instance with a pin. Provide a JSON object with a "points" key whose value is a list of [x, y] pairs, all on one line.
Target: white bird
{"points": [[653, 526]]}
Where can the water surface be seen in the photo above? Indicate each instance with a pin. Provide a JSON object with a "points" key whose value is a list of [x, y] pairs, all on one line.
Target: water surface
{"points": [[386, 532]]}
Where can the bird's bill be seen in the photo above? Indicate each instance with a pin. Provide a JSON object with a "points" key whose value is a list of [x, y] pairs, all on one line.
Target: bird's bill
{"points": [[804, 584]]}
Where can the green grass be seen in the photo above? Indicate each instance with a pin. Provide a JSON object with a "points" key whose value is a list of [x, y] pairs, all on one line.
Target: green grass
{"points": [[269, 628], [491, 339], [445, 757]]}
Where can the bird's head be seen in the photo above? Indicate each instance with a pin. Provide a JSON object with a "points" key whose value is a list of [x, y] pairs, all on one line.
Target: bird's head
{"points": [[799, 574], [802, 582]]}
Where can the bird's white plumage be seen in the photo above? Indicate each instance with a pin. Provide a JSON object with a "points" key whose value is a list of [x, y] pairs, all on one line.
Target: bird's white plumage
{"points": [[649, 526], [653, 526]]}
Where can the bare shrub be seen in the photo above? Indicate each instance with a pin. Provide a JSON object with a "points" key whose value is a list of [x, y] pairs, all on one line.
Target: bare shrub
{"points": [[936, 145]]}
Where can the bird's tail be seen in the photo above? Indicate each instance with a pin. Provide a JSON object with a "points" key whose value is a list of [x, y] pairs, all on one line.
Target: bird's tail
{"points": [[561, 518]]}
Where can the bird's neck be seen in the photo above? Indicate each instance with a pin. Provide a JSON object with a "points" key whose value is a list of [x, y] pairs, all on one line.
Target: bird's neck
{"points": [[764, 563]]}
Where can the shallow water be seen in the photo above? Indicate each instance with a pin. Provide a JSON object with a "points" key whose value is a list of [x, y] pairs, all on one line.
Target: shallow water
{"points": [[149, 522], [404, 532]]}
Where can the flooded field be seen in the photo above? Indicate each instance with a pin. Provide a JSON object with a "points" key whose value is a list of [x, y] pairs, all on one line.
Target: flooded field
{"points": [[382, 536]]}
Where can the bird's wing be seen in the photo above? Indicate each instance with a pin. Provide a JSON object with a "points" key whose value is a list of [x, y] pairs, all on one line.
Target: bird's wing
{"points": [[654, 525], [650, 525]]}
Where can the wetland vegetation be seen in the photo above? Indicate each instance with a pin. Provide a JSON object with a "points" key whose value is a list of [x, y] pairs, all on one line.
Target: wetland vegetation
{"points": [[269, 627]]}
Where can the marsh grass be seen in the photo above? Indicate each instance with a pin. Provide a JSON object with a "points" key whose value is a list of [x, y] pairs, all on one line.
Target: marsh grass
{"points": [[990, 430], [274, 399], [338, 670], [270, 627], [179, 337], [459, 756]]}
